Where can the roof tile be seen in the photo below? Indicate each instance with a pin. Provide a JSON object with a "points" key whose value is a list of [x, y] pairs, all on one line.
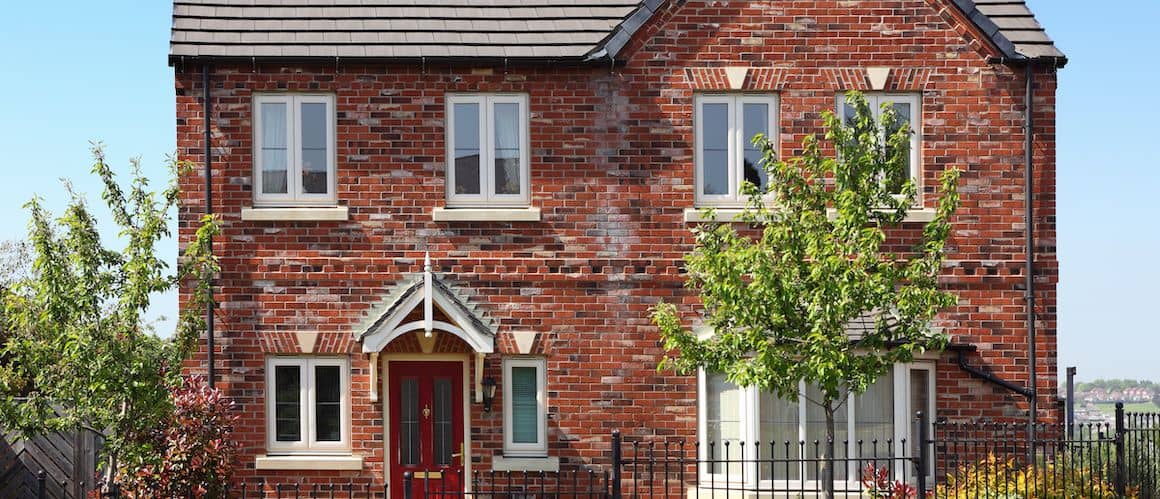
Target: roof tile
{"points": [[1012, 27], [550, 29]]}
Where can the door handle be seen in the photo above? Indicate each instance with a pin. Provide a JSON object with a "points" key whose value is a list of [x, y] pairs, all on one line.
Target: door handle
{"points": [[460, 453]]}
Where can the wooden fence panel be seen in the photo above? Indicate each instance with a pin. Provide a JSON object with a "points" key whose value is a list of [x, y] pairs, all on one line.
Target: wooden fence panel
{"points": [[69, 460]]}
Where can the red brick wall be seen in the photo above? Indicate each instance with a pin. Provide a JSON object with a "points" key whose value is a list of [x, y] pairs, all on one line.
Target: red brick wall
{"points": [[612, 173]]}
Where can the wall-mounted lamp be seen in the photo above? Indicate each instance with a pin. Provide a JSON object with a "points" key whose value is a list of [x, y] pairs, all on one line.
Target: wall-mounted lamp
{"points": [[488, 393]]}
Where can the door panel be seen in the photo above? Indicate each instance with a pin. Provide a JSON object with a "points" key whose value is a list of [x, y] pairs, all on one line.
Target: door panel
{"points": [[426, 427]]}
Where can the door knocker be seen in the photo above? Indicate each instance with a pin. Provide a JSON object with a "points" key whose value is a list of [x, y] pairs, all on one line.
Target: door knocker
{"points": [[426, 411]]}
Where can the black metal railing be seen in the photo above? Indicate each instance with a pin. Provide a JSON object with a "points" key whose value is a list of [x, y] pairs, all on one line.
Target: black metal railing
{"points": [[955, 460], [583, 483], [668, 468]]}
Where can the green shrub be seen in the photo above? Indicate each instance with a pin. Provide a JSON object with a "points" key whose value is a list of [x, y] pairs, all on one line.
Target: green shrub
{"points": [[995, 478]]}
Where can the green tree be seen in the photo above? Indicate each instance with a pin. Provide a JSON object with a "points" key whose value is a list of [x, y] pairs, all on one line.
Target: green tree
{"points": [[778, 295], [14, 264], [80, 354]]}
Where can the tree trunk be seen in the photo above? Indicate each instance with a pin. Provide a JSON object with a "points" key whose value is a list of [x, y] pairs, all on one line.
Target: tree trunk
{"points": [[113, 454], [826, 473]]}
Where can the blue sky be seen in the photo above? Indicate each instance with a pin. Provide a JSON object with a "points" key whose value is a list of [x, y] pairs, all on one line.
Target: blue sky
{"points": [[78, 71]]}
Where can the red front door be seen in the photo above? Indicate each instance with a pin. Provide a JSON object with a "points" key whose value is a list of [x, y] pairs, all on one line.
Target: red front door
{"points": [[426, 427]]}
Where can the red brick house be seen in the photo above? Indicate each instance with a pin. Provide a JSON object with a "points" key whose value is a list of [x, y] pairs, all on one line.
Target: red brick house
{"points": [[425, 202]]}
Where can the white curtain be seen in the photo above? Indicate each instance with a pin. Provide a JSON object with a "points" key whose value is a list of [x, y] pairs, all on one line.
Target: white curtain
{"points": [[467, 123], [507, 148], [874, 419], [723, 423], [274, 148], [715, 148], [780, 437], [314, 154]]}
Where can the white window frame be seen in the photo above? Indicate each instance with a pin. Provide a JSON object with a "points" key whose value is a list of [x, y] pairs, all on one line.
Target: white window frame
{"points": [[876, 100], [309, 443], [540, 448], [487, 196], [293, 195], [751, 417], [737, 141]]}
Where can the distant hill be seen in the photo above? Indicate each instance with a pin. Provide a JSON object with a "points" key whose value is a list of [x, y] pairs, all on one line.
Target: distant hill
{"points": [[1116, 384], [1095, 400]]}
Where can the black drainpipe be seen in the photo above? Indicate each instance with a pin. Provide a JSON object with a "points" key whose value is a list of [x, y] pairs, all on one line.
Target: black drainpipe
{"points": [[1029, 227], [1029, 233], [208, 108], [987, 376]]}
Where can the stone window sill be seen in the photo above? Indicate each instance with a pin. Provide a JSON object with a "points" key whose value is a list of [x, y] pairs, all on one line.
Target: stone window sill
{"points": [[696, 215], [311, 462], [503, 463], [486, 214], [297, 214]]}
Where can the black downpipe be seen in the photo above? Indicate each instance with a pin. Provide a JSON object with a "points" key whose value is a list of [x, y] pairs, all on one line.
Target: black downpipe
{"points": [[984, 375], [209, 212], [1029, 226]]}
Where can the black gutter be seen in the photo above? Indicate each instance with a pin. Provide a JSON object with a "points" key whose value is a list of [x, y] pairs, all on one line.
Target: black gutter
{"points": [[566, 62], [1052, 61], [206, 111]]}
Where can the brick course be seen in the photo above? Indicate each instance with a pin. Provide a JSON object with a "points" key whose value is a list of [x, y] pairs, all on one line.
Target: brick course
{"points": [[612, 172]]}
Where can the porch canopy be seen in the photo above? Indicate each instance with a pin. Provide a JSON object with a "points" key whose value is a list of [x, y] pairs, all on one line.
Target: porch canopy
{"points": [[430, 291]]}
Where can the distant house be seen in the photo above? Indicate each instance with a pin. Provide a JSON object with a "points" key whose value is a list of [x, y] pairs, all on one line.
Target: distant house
{"points": [[550, 159]]}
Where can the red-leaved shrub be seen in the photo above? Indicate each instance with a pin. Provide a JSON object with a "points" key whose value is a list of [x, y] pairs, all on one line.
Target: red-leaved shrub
{"points": [[195, 449]]}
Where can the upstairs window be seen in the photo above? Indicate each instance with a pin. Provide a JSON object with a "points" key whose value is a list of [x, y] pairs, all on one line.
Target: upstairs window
{"points": [[724, 151], [908, 113], [307, 405], [294, 149], [487, 150]]}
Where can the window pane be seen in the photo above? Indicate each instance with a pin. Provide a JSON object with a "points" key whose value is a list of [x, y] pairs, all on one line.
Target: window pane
{"points": [[287, 404], [328, 403], [507, 148], [919, 401], [898, 177], [466, 148], [722, 423], [525, 406], [715, 149], [315, 148], [442, 422], [410, 450], [874, 418], [274, 157], [779, 438], [756, 117], [850, 114]]}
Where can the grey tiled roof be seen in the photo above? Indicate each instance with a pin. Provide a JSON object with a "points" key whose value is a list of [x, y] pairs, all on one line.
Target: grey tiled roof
{"points": [[396, 29], [1012, 27], [494, 29]]}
